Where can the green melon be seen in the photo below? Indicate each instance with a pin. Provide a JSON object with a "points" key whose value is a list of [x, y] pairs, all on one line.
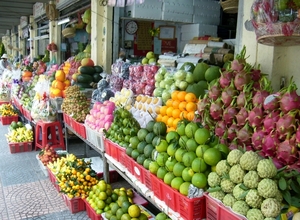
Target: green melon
{"points": [[199, 71]]}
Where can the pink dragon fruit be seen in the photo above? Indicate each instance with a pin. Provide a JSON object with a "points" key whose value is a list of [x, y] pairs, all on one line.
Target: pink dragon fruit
{"points": [[226, 78], [289, 99], [269, 122], [242, 117], [255, 117], [229, 114], [216, 110], [257, 139], [228, 94], [286, 125], [287, 152], [259, 97], [270, 144]]}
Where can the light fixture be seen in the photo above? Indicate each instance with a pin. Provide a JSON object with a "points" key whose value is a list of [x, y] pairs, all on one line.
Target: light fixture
{"points": [[63, 21]]}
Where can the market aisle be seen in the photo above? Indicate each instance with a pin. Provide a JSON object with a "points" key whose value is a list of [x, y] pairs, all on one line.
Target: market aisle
{"points": [[26, 193]]}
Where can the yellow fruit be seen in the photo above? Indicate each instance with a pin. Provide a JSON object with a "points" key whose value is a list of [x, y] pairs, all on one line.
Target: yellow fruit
{"points": [[134, 211]]}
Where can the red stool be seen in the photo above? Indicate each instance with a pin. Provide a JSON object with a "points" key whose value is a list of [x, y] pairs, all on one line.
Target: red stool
{"points": [[56, 140]]}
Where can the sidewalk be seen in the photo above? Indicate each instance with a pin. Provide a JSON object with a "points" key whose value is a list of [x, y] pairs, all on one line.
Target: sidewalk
{"points": [[26, 193]]}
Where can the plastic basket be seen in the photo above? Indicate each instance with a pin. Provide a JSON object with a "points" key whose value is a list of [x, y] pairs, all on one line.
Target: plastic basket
{"points": [[68, 32], [52, 179], [7, 120], [75, 204], [157, 186], [230, 6], [94, 137], [78, 127], [67, 119], [20, 147], [27, 114]]}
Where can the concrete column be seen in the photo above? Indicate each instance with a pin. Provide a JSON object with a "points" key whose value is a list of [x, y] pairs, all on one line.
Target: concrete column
{"points": [[21, 42], [102, 34], [14, 37], [55, 37], [33, 34]]}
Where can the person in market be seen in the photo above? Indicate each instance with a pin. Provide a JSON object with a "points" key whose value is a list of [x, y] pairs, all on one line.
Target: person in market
{"points": [[4, 63]]}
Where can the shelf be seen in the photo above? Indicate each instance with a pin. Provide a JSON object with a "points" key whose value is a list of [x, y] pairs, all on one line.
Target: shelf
{"points": [[105, 164], [141, 188]]}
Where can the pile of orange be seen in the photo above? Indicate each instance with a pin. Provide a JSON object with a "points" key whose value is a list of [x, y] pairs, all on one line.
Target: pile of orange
{"points": [[59, 85], [182, 105]]}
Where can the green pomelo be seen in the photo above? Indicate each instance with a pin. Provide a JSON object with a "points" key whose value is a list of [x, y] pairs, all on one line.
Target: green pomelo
{"points": [[199, 165], [161, 158], [190, 129], [149, 137], [134, 154], [202, 135], [162, 146], [148, 150], [153, 167], [142, 133], [179, 154], [201, 149], [212, 156], [187, 174], [199, 71], [149, 125], [224, 149], [161, 172], [172, 149], [140, 159], [159, 128], [170, 163], [191, 145], [213, 72], [184, 188], [199, 180], [178, 168], [154, 154], [161, 216], [182, 141], [172, 136], [129, 151], [168, 178], [141, 146], [181, 128], [176, 182], [214, 140], [147, 163], [188, 158], [134, 141], [155, 141], [188, 66]]}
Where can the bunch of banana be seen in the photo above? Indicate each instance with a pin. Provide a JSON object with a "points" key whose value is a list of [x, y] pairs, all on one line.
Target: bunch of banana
{"points": [[18, 135]]}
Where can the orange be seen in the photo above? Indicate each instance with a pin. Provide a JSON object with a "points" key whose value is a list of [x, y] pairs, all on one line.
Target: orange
{"points": [[67, 83], [159, 118], [60, 75], [163, 110], [184, 114], [175, 122], [174, 94], [181, 95], [169, 102], [190, 116], [190, 97], [175, 104], [58, 85], [165, 119], [55, 92], [170, 121], [169, 111], [182, 106], [191, 106], [176, 113]]}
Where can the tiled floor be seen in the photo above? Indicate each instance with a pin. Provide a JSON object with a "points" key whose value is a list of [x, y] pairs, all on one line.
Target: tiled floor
{"points": [[25, 191]]}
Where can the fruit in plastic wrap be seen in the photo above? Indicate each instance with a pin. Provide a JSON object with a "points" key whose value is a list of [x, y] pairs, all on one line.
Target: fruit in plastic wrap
{"points": [[102, 84]]}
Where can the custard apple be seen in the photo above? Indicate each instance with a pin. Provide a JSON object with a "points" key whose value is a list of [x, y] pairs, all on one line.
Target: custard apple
{"points": [[227, 185], [254, 214], [240, 207], [238, 192], [251, 179], [213, 179], [236, 174], [228, 200], [222, 167], [249, 160], [266, 168], [279, 196], [234, 157], [253, 199], [270, 207], [267, 188], [217, 195]]}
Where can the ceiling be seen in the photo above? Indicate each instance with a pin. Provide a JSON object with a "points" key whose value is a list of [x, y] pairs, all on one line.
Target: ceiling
{"points": [[11, 11]]}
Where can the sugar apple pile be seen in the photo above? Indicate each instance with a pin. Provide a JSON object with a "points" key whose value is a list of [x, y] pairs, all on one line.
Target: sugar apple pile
{"points": [[245, 182]]}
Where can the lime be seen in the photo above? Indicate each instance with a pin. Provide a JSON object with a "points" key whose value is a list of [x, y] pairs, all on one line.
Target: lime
{"points": [[161, 172], [161, 158], [153, 167], [168, 178], [202, 135], [161, 216], [212, 156], [181, 128], [178, 168], [170, 163], [187, 174], [162, 146]]}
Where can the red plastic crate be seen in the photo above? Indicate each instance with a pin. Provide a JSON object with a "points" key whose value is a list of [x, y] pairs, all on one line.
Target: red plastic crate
{"points": [[170, 197], [52, 179], [138, 171], [75, 204], [157, 186], [112, 149], [91, 212], [194, 208], [79, 128], [128, 163], [20, 147], [122, 156], [27, 114], [66, 118], [7, 120], [4, 102], [113, 176], [215, 210]]}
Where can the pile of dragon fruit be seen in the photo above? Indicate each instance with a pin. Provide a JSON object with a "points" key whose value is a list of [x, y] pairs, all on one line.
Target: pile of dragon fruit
{"points": [[242, 110]]}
